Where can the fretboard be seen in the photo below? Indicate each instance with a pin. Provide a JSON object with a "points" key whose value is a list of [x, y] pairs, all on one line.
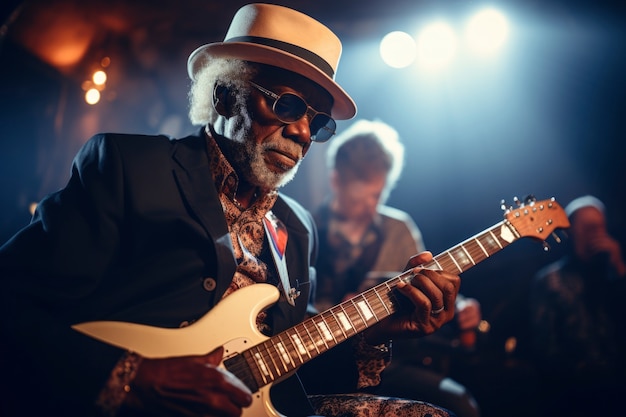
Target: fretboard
{"points": [[285, 352]]}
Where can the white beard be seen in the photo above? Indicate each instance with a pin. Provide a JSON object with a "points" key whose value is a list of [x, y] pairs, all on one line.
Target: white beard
{"points": [[246, 156], [249, 163]]}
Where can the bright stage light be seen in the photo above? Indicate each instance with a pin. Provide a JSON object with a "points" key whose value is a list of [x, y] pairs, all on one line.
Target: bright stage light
{"points": [[436, 45], [99, 77], [92, 96], [397, 49], [487, 31]]}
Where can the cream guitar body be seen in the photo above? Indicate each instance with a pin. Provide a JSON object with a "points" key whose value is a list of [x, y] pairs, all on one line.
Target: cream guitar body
{"points": [[224, 325]]}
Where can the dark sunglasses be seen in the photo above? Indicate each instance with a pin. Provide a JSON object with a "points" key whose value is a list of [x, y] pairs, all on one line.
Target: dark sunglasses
{"points": [[289, 108]]}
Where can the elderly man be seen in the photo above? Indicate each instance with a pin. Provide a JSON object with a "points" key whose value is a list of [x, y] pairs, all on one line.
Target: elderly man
{"points": [[180, 239]]}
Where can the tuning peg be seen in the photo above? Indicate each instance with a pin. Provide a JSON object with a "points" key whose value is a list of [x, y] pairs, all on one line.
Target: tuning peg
{"points": [[530, 199], [503, 205], [517, 201], [546, 247], [556, 237]]}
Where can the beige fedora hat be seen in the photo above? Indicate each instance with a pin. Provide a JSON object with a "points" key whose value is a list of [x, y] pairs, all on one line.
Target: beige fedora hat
{"points": [[279, 36]]}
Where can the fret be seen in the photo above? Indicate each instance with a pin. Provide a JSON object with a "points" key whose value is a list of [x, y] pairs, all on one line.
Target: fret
{"points": [[377, 308], [363, 311], [366, 307], [311, 345], [477, 240], [283, 356], [299, 344], [388, 295], [468, 254], [324, 330], [262, 366], [254, 368], [447, 263], [346, 324], [460, 258], [291, 349], [474, 251], [341, 326], [320, 328], [376, 304], [437, 263], [354, 315], [271, 363], [382, 302], [454, 261], [494, 238], [335, 329]]}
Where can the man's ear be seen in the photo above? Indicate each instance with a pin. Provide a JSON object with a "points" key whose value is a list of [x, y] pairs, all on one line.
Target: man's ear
{"points": [[222, 100]]}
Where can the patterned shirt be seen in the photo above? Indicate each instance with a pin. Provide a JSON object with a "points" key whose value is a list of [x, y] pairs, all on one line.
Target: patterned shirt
{"points": [[578, 321]]}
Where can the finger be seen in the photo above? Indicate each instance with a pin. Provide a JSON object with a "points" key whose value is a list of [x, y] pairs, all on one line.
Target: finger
{"points": [[215, 357], [188, 404], [428, 283], [419, 259], [449, 285], [222, 381], [421, 303], [208, 391]]}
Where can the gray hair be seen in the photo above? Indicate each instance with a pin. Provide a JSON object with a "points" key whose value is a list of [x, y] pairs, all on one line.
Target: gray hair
{"points": [[366, 148], [228, 72]]}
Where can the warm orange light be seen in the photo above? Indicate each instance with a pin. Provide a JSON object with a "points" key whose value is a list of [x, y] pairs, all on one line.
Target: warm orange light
{"points": [[59, 36]]}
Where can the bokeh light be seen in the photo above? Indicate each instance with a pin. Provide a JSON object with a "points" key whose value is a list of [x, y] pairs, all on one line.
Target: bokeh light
{"points": [[397, 49]]}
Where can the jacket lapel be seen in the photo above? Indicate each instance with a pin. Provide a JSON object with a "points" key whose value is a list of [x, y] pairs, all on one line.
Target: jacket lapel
{"points": [[196, 184]]}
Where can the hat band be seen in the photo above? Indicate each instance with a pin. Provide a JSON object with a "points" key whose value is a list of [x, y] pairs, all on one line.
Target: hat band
{"points": [[305, 54]]}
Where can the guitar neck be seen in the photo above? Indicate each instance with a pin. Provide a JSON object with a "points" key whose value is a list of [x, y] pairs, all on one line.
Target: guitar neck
{"points": [[285, 352]]}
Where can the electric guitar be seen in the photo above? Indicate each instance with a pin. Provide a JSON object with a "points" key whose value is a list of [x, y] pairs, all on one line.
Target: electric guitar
{"points": [[260, 361]]}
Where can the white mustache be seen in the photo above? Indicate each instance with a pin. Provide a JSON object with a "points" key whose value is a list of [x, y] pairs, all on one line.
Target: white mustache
{"points": [[294, 152]]}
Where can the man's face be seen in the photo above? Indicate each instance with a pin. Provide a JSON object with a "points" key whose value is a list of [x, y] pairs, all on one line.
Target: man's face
{"points": [[267, 152], [587, 228], [356, 199]]}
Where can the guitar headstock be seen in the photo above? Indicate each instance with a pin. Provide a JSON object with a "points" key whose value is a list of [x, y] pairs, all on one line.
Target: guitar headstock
{"points": [[536, 219]]}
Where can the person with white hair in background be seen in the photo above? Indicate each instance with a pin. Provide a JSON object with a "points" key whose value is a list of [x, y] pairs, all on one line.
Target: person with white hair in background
{"points": [[578, 321], [364, 241]]}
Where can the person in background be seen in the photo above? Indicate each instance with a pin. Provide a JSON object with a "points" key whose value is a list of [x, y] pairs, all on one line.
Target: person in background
{"points": [[363, 241], [578, 320], [159, 231]]}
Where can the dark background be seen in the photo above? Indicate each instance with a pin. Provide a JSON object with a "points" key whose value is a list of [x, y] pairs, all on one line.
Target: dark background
{"points": [[545, 117]]}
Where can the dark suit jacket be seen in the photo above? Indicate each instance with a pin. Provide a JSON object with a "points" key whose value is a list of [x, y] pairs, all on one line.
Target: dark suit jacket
{"points": [[133, 236]]}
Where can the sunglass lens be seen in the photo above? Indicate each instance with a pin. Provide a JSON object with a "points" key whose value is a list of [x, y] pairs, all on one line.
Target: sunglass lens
{"points": [[290, 108], [322, 127]]}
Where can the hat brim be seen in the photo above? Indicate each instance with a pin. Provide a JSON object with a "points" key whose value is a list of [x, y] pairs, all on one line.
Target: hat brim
{"points": [[343, 106]]}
